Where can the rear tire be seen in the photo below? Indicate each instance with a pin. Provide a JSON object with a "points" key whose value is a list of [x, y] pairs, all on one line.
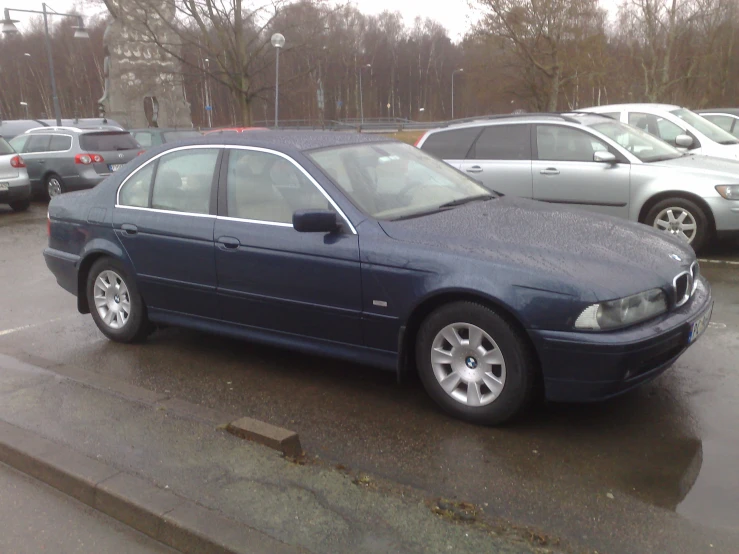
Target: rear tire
{"points": [[115, 303], [693, 225], [21, 205], [53, 186], [475, 364]]}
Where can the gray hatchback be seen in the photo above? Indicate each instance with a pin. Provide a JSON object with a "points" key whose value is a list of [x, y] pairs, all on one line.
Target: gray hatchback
{"points": [[62, 159]]}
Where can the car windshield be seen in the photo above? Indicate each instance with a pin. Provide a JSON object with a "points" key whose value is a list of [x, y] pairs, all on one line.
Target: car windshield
{"points": [[702, 125], [5, 148], [108, 141], [395, 180], [641, 144], [171, 136]]}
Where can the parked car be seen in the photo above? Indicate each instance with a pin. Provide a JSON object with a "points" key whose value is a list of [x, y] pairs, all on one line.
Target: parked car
{"points": [[155, 136], [599, 164], [726, 118], [15, 189], [62, 159], [677, 126], [327, 244]]}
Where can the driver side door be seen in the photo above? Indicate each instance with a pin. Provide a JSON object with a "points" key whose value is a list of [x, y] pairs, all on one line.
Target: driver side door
{"points": [[271, 276]]}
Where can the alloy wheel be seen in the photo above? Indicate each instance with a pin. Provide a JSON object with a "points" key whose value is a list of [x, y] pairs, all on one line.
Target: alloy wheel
{"points": [[112, 299], [54, 187], [677, 221], [468, 364]]}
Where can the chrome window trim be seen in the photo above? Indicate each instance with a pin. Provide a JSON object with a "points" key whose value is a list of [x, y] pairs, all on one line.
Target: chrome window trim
{"points": [[234, 147], [159, 211]]}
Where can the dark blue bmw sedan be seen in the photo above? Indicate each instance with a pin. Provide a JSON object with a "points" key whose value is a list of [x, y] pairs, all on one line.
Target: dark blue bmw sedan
{"points": [[370, 250]]}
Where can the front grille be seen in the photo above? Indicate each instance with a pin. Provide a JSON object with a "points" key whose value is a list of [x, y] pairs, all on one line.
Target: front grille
{"points": [[682, 285]]}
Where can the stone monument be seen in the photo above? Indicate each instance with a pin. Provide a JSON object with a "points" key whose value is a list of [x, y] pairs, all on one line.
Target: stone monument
{"points": [[143, 85]]}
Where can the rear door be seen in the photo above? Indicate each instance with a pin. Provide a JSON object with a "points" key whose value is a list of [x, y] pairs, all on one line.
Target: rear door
{"points": [[451, 145], [117, 148], [500, 159], [564, 171], [164, 217]]}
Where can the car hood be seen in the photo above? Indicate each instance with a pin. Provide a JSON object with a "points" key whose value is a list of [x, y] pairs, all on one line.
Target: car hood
{"points": [[609, 256], [704, 165]]}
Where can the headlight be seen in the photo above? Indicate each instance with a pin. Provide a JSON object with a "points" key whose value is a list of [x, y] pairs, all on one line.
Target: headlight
{"points": [[623, 312], [730, 192]]}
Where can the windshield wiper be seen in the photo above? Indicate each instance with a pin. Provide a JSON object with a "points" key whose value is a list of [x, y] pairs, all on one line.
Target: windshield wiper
{"points": [[460, 201]]}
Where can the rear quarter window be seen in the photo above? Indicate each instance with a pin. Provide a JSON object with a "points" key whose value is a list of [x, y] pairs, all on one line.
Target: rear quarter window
{"points": [[5, 148], [451, 145], [107, 142]]}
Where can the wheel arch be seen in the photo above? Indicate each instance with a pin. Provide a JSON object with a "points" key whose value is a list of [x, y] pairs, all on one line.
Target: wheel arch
{"points": [[85, 264], [406, 354], [702, 204]]}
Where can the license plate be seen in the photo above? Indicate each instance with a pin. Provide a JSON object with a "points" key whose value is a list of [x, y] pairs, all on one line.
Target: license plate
{"points": [[115, 167], [3, 186], [696, 330]]}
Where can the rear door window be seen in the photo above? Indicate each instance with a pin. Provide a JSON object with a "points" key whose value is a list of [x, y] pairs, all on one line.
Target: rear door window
{"points": [[38, 143], [451, 145], [503, 142], [60, 143], [107, 142]]}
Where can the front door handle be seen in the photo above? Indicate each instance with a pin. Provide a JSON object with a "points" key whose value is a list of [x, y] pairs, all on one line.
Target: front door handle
{"points": [[474, 169], [550, 171], [229, 242], [129, 229]]}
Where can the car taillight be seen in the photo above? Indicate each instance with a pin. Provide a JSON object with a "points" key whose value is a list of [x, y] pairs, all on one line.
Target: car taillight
{"points": [[17, 161], [48, 225], [87, 159], [420, 139]]}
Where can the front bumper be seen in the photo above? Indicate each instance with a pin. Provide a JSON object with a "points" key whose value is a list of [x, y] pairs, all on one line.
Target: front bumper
{"points": [[585, 367]]}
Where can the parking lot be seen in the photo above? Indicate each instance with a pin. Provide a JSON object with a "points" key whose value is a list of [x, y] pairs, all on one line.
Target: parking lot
{"points": [[656, 467]]}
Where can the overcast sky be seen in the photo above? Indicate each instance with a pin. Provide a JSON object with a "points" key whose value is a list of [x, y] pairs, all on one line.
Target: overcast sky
{"points": [[455, 15]]}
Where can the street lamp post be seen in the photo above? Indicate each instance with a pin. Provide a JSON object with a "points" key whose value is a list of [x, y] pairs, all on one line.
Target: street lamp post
{"points": [[208, 105], [460, 70], [361, 100], [79, 32], [25, 104], [278, 41]]}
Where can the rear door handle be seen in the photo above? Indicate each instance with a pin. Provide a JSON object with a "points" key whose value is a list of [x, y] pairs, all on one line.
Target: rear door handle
{"points": [[474, 169], [550, 171], [129, 229], [229, 242]]}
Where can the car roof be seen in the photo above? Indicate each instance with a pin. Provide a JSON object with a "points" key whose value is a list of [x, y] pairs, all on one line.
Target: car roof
{"points": [[546, 117], [68, 129], [162, 129], [643, 106], [290, 140], [730, 111]]}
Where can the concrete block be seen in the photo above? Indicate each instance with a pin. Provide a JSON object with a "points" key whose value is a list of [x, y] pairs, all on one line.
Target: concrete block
{"points": [[284, 440]]}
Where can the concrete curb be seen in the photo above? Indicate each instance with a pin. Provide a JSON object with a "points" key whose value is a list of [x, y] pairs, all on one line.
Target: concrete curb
{"points": [[166, 517]]}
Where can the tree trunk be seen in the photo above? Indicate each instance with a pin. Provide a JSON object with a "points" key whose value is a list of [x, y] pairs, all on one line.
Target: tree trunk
{"points": [[554, 90], [244, 107]]}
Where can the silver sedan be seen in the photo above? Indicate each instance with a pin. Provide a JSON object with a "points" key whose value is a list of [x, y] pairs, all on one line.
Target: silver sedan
{"points": [[599, 164]]}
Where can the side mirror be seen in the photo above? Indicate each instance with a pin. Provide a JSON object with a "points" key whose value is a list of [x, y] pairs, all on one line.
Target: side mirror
{"points": [[604, 157], [684, 141], [315, 221]]}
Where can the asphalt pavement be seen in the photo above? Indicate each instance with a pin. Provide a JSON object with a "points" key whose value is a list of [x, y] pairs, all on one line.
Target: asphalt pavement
{"points": [[655, 468], [36, 518]]}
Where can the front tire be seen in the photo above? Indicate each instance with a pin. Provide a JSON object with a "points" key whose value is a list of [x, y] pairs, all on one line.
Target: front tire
{"points": [[681, 218], [474, 364], [115, 303], [21, 205]]}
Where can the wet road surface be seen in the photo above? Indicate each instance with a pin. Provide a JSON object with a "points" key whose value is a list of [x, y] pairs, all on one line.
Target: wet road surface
{"points": [[656, 468]]}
